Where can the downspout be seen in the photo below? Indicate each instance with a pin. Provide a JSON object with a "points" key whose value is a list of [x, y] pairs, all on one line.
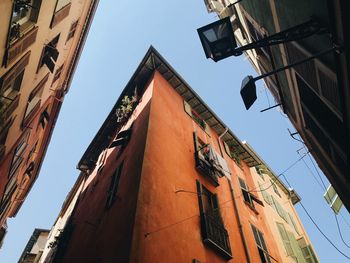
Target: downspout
{"points": [[246, 251]]}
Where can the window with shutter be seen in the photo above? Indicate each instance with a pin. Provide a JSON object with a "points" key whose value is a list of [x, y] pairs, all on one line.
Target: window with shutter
{"points": [[72, 30], [49, 54], [307, 251], [265, 195], [22, 30], [213, 231], [61, 11], [203, 162], [261, 245], [285, 239], [196, 117], [245, 192], [113, 187], [293, 223], [296, 249], [44, 118]]}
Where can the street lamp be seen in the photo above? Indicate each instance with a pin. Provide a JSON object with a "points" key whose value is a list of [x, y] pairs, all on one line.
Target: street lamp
{"points": [[219, 42], [248, 88]]}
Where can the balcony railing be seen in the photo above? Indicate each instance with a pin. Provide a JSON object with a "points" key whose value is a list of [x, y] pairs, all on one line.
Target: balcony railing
{"points": [[206, 169], [215, 235]]}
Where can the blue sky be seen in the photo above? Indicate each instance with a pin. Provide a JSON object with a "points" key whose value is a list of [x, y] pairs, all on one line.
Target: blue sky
{"points": [[120, 35]]}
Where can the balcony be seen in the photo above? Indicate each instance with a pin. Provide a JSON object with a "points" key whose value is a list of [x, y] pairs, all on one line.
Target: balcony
{"points": [[206, 169], [215, 235]]}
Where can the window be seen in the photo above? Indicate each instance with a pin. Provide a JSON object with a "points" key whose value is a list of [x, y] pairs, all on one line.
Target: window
{"points": [[10, 86], [275, 189], [57, 74], [203, 160], [307, 251], [293, 224], [113, 187], [265, 195], [281, 212], [72, 30], [22, 32], [61, 11], [291, 245], [261, 245], [122, 139], [196, 117], [245, 192], [44, 118], [260, 172], [24, 13], [248, 197], [50, 54], [18, 154], [232, 154], [34, 99], [213, 231]]}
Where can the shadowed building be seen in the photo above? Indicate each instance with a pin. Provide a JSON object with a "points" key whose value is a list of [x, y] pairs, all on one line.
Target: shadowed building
{"points": [[315, 94], [165, 180], [40, 44]]}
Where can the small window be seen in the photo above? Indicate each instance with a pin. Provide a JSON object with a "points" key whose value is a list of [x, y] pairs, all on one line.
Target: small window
{"points": [[196, 117], [261, 245], [260, 173], [72, 30], [18, 155], [61, 3], [50, 54], [44, 118], [275, 189], [57, 74], [245, 192], [35, 97], [113, 187], [249, 197]]}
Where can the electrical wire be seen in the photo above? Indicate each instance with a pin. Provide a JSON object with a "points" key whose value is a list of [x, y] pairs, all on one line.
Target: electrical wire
{"points": [[319, 229], [323, 234], [319, 175]]}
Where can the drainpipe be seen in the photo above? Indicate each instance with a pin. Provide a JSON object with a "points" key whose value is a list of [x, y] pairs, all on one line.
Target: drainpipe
{"points": [[246, 251]]}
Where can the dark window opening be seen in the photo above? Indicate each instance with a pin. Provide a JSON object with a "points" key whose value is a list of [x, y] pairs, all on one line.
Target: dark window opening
{"points": [[50, 54], [44, 118], [113, 187]]}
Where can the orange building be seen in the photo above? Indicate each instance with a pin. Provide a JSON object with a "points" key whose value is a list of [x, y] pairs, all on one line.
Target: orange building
{"points": [[164, 180], [40, 45]]}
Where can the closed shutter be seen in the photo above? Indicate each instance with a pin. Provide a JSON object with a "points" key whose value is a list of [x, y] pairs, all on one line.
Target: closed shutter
{"points": [[206, 127], [188, 108], [200, 196], [21, 45], [293, 223], [265, 195], [14, 71], [285, 239], [60, 15]]}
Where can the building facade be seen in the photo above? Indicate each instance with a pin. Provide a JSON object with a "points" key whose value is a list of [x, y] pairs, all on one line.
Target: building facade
{"points": [[315, 95], [40, 44], [165, 180], [35, 246]]}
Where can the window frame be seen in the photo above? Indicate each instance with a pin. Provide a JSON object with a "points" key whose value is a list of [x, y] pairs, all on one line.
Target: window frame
{"points": [[114, 185]]}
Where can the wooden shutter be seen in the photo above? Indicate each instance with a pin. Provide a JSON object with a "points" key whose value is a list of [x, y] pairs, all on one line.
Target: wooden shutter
{"points": [[227, 149], [113, 188], [206, 128], [200, 196], [60, 15], [285, 239], [14, 71], [188, 108], [296, 249], [21, 45], [307, 251]]}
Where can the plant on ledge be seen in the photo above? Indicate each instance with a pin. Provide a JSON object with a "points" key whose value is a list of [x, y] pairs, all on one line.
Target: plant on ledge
{"points": [[126, 108]]}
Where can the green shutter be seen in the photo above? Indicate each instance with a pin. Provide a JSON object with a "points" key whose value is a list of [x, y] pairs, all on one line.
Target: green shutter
{"points": [[296, 249], [188, 108], [265, 195], [285, 239], [307, 251], [293, 224], [227, 149]]}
